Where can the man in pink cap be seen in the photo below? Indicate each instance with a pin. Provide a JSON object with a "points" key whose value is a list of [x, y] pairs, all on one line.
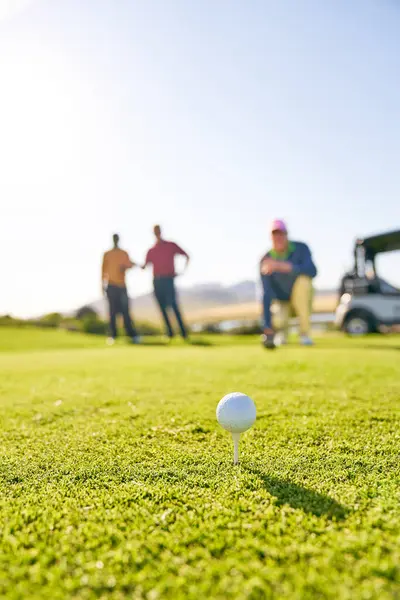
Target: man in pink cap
{"points": [[287, 271]]}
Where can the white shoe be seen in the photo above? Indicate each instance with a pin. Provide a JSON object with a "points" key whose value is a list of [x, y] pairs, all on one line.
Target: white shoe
{"points": [[305, 340], [281, 339], [110, 341], [136, 340]]}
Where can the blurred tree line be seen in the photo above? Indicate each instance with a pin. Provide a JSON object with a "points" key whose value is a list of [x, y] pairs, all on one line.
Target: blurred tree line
{"points": [[86, 320]]}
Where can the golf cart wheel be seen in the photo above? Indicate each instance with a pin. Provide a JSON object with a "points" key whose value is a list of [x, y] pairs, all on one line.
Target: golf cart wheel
{"points": [[359, 324]]}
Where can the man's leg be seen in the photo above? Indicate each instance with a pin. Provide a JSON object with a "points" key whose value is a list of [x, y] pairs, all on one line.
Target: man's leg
{"points": [[113, 310], [301, 302], [128, 323], [268, 296], [280, 317], [160, 295], [173, 301]]}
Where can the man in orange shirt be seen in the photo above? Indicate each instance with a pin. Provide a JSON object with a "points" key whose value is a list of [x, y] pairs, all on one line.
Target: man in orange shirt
{"points": [[115, 264]]}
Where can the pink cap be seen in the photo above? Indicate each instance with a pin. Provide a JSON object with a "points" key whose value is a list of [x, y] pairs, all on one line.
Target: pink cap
{"points": [[278, 225]]}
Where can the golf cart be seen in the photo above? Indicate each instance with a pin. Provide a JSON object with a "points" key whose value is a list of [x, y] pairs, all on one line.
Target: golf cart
{"points": [[367, 302]]}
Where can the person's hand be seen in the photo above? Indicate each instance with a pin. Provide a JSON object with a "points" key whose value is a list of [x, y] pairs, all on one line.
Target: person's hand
{"points": [[269, 266]]}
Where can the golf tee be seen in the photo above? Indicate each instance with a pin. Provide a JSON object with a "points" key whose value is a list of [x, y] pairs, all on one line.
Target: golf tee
{"points": [[235, 437]]}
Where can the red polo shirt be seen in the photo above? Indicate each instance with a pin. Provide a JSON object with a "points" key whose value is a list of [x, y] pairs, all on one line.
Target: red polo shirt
{"points": [[162, 256]]}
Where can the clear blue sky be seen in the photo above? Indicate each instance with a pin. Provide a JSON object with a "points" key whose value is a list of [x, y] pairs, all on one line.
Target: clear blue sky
{"points": [[210, 117]]}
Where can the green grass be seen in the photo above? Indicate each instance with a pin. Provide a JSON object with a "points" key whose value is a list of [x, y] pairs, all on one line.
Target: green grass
{"points": [[116, 481]]}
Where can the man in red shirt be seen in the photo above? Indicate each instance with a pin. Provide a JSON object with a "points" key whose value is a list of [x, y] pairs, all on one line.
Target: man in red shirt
{"points": [[162, 257]]}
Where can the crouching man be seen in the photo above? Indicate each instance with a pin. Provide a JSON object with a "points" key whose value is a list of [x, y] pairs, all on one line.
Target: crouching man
{"points": [[287, 272]]}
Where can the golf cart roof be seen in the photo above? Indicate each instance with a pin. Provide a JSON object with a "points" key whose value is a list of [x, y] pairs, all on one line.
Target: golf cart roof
{"points": [[384, 242]]}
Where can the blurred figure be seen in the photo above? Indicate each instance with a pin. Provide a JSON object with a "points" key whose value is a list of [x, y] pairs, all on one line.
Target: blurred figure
{"points": [[347, 283], [286, 273], [162, 257], [115, 264]]}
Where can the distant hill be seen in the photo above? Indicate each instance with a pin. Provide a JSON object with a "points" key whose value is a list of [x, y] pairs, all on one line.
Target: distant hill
{"points": [[193, 298], [204, 300]]}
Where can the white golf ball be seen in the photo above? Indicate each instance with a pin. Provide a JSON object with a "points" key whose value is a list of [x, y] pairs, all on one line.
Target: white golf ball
{"points": [[236, 412]]}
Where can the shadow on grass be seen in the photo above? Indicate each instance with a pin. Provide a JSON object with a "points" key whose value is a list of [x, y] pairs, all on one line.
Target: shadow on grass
{"points": [[299, 497], [153, 343], [200, 342], [380, 347], [148, 341], [321, 344], [358, 346]]}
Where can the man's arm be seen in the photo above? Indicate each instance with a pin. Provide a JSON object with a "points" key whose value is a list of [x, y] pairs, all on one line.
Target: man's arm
{"points": [[179, 251], [127, 264], [187, 257], [147, 262], [104, 274], [131, 264], [305, 264]]}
